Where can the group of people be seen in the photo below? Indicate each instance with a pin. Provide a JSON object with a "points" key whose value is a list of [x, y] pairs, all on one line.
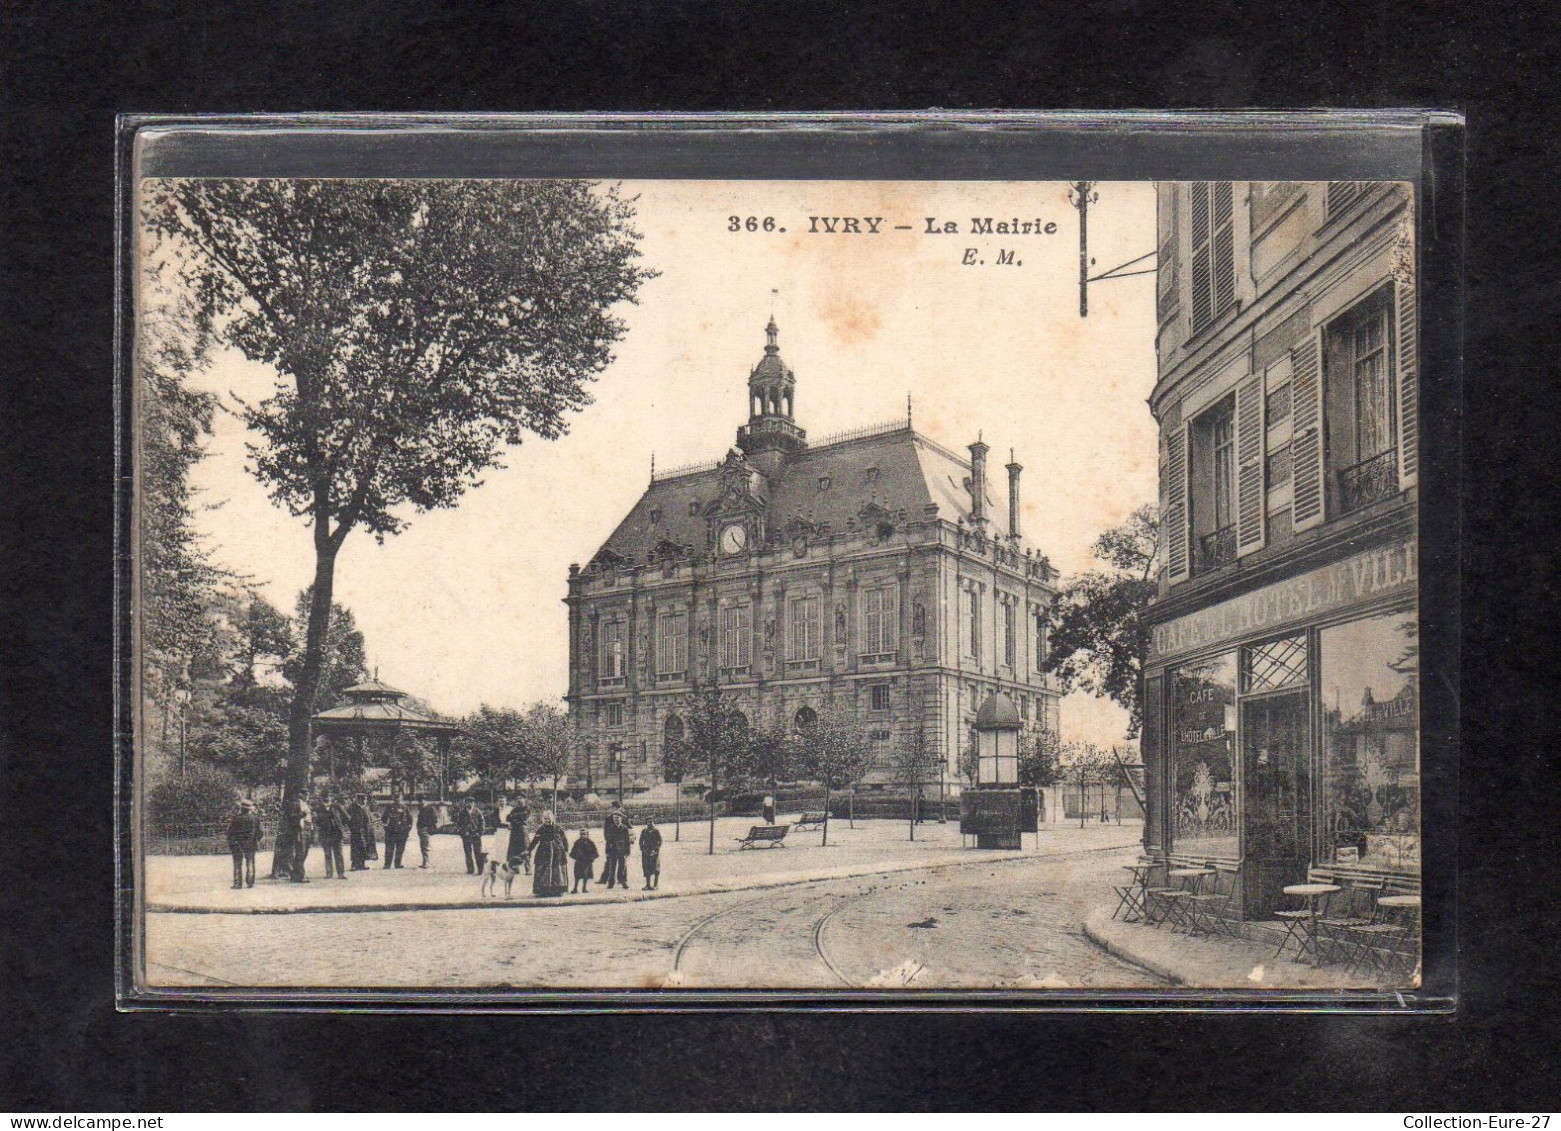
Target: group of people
{"points": [[551, 853], [546, 854], [334, 825]]}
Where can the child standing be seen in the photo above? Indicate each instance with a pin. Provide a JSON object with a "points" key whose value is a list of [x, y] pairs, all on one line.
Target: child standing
{"points": [[584, 855]]}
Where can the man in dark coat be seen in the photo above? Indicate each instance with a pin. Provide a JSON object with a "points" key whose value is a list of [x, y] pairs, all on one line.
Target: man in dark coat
{"points": [[427, 822], [650, 855], [618, 836], [301, 823], [331, 825], [360, 829], [398, 823], [518, 852], [469, 822], [243, 840]]}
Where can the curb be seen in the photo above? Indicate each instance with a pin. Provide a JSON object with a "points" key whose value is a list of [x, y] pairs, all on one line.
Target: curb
{"points": [[636, 897], [1117, 950]]}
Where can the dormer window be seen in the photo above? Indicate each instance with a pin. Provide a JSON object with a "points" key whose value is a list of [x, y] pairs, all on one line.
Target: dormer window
{"points": [[823, 482], [693, 507], [655, 515], [872, 475]]}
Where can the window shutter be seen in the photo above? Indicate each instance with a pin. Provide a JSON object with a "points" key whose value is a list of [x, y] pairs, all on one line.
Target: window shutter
{"points": [[1224, 248], [1249, 466], [1408, 384], [1202, 299], [1176, 504], [1306, 445]]}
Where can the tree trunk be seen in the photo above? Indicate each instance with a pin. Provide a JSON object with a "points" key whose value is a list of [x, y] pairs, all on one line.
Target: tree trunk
{"points": [[307, 689], [677, 811], [826, 815]]}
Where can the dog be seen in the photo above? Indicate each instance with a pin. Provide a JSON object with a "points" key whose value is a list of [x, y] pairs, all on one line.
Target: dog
{"points": [[498, 870]]}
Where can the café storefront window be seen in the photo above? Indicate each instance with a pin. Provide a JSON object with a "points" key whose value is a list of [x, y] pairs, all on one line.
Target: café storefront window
{"points": [[1371, 743], [1203, 818]]}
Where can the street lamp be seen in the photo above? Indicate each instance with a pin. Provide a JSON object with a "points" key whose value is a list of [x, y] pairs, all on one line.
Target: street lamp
{"points": [[182, 697]]}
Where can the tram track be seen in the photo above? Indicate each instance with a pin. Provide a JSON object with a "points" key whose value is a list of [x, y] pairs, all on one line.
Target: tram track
{"points": [[816, 932]]}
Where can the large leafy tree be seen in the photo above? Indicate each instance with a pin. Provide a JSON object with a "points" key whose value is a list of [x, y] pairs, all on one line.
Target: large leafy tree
{"points": [[500, 745], [1098, 636], [416, 328], [344, 656], [265, 638], [180, 634]]}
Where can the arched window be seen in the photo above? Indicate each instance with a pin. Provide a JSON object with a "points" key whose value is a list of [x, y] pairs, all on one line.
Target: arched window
{"points": [[672, 729], [739, 722], [805, 720]]}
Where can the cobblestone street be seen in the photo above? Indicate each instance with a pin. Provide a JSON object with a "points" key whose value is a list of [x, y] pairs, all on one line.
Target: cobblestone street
{"points": [[1010, 922]]}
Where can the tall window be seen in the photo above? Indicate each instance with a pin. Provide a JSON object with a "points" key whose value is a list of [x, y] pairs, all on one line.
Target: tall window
{"points": [[1371, 741], [802, 641], [672, 642], [612, 714], [879, 697], [1010, 633], [1213, 486], [880, 616], [1203, 750], [613, 660], [1040, 639], [1213, 251], [737, 636], [973, 622], [1362, 445]]}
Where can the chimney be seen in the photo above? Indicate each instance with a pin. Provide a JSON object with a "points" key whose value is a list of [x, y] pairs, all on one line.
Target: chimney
{"points": [[1013, 495], [978, 452]]}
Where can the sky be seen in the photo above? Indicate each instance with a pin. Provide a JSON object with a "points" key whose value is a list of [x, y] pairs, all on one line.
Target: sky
{"points": [[465, 606]]}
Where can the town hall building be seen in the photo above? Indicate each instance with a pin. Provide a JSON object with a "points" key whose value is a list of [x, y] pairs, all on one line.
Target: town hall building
{"points": [[869, 571]]}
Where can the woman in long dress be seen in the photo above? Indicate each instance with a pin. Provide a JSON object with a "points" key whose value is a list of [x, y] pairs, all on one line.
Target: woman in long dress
{"points": [[550, 849]]}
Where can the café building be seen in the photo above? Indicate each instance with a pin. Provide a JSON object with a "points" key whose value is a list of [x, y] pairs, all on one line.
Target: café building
{"points": [[1281, 699]]}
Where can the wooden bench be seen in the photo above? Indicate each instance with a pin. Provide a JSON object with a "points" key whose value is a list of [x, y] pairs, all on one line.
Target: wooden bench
{"points": [[809, 821], [771, 836]]}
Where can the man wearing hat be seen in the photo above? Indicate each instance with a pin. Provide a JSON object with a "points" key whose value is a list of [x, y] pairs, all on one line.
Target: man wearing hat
{"points": [[331, 824], [243, 840], [619, 838]]}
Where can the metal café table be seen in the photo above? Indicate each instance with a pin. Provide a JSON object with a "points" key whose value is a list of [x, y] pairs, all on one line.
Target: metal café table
{"points": [[1133, 901], [1311, 893]]}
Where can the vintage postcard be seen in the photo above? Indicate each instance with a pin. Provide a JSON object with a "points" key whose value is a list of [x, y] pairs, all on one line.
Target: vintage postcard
{"points": [[776, 585]]}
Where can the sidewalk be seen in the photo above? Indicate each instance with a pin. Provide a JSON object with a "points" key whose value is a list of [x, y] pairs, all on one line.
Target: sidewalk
{"points": [[1208, 962], [201, 884]]}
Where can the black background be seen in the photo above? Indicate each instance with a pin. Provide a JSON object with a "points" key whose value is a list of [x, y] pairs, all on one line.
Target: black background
{"points": [[70, 68]]}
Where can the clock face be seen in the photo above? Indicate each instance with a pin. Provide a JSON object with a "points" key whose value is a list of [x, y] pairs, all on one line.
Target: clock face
{"points": [[733, 539]]}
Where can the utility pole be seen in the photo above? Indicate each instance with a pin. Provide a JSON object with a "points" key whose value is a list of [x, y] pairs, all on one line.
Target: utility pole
{"points": [[1081, 196]]}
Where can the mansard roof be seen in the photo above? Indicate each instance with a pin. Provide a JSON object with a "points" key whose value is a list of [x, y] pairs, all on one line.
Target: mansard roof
{"points": [[894, 468]]}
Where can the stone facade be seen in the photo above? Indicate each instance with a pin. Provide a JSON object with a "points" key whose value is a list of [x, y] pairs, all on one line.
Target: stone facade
{"points": [[871, 570]]}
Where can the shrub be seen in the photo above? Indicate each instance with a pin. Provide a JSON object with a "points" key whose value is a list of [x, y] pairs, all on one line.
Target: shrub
{"points": [[203, 797]]}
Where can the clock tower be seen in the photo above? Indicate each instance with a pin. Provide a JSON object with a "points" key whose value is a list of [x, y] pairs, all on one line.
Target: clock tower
{"points": [[771, 435]]}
